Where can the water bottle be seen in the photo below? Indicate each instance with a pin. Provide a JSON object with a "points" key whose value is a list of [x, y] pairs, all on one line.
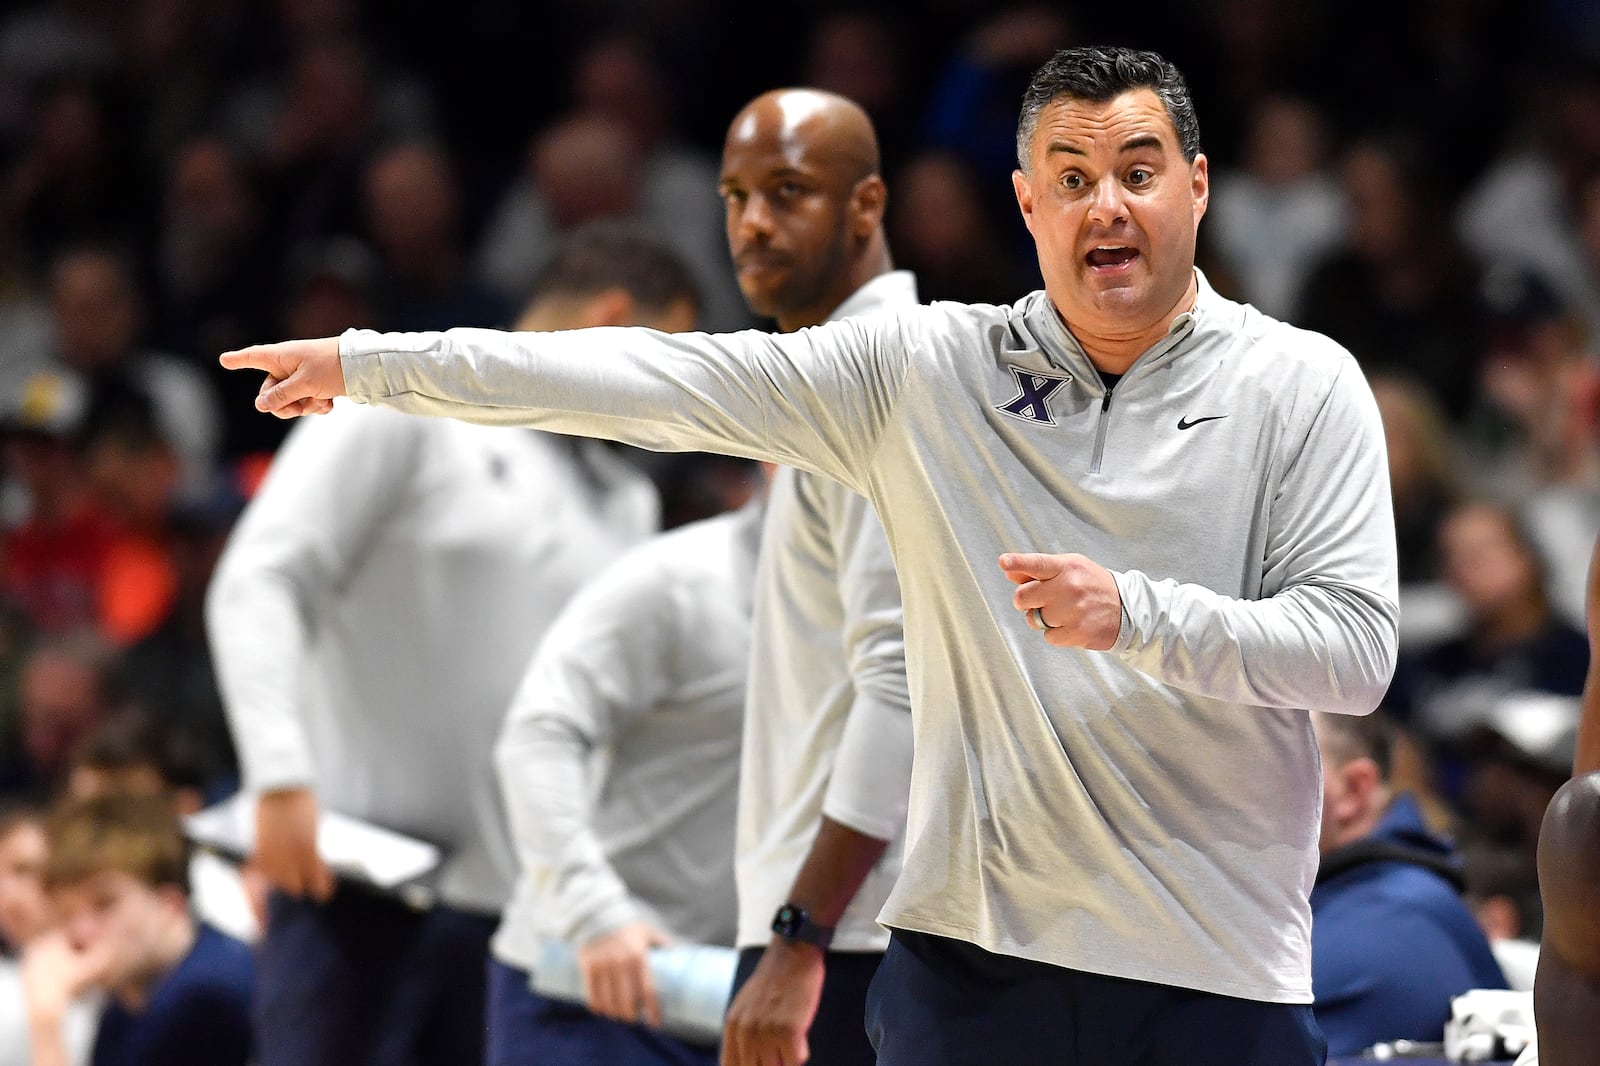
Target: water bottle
{"points": [[693, 983]]}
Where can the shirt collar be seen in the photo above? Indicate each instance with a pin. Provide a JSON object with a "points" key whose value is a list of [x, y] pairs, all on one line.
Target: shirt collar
{"points": [[1062, 348], [897, 288]]}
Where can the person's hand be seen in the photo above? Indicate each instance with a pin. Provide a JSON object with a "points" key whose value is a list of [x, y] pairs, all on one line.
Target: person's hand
{"points": [[54, 973], [286, 844], [1076, 597], [616, 973], [303, 377], [768, 1020]]}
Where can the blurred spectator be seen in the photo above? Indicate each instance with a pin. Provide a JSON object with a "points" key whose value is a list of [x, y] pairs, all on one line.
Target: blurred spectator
{"points": [[134, 474], [1400, 293], [973, 107], [1497, 703], [331, 288], [1513, 642], [591, 165], [941, 232], [46, 42], [1281, 213], [178, 990], [132, 754], [65, 691], [55, 560], [25, 910], [1503, 892], [1391, 939], [73, 182], [168, 672], [310, 130], [1526, 207], [99, 320], [412, 210], [620, 78], [1537, 430], [214, 277], [1422, 472], [27, 917], [857, 54], [581, 169]]}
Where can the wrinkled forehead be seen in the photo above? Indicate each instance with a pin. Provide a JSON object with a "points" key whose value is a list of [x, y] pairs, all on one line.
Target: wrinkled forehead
{"points": [[1073, 124]]}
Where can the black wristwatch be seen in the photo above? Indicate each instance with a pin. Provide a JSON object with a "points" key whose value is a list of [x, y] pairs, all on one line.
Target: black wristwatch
{"points": [[792, 923]]}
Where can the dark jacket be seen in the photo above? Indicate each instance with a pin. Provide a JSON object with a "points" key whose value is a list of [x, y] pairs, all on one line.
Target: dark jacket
{"points": [[1391, 939]]}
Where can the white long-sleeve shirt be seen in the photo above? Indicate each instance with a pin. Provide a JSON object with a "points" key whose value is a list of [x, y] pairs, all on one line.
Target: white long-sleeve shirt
{"points": [[829, 725], [620, 756], [379, 600], [1148, 812]]}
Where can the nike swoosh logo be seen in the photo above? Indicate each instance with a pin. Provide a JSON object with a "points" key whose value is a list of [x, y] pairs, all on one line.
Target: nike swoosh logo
{"points": [[1184, 423]]}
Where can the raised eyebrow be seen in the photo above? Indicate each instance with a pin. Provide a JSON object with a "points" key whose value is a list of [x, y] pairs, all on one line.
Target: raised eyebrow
{"points": [[1134, 144]]}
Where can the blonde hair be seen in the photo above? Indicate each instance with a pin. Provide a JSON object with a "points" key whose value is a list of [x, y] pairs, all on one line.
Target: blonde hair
{"points": [[137, 835]]}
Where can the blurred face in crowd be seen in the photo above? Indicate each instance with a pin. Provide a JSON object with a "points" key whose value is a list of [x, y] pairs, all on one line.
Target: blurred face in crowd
{"points": [[61, 705], [123, 924], [1114, 209], [801, 200], [24, 906], [1483, 561], [96, 312]]}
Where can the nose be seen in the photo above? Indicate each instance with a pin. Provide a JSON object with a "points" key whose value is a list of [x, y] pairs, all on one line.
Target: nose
{"points": [[1107, 205], [754, 223]]}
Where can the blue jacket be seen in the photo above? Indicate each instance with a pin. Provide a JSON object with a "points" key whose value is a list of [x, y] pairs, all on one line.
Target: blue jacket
{"points": [[1391, 939], [199, 1015]]}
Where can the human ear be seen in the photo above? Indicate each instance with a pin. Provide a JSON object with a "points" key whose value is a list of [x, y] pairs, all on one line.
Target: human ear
{"points": [[1200, 185], [1024, 190], [868, 200]]}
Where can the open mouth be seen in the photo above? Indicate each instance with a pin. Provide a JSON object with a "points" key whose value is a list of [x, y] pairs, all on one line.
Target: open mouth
{"points": [[1111, 257]]}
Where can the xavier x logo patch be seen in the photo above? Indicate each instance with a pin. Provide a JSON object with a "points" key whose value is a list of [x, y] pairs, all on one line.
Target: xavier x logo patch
{"points": [[1032, 402]]}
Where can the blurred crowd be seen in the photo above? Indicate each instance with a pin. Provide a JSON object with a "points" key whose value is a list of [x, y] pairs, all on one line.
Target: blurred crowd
{"points": [[1420, 181]]}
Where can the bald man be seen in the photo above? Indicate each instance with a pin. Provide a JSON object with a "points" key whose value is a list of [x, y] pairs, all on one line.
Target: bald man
{"points": [[1566, 990], [827, 746], [825, 761]]}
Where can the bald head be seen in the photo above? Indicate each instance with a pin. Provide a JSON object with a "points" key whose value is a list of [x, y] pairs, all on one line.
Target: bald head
{"points": [[804, 203], [830, 130]]}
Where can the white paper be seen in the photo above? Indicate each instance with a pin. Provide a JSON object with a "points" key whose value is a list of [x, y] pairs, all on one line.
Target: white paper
{"points": [[351, 848]]}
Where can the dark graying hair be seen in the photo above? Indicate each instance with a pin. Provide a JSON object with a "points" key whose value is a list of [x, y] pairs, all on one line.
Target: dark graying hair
{"points": [[615, 254], [1099, 75]]}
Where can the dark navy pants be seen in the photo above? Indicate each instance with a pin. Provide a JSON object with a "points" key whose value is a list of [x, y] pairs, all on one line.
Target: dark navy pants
{"points": [[364, 980], [942, 1002], [838, 1034], [527, 1029]]}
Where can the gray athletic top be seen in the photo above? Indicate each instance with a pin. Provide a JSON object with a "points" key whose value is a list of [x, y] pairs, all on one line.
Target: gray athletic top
{"points": [[1148, 812], [620, 756], [378, 602], [829, 724]]}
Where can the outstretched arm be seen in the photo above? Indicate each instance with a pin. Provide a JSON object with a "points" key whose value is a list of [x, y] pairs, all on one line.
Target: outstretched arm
{"points": [[817, 399]]}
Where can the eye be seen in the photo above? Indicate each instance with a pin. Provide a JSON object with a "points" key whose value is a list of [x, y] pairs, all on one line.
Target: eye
{"points": [[733, 196], [791, 190], [1140, 176], [1072, 180]]}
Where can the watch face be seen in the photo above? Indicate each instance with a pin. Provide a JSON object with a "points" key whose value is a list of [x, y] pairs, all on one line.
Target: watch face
{"points": [[788, 920]]}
